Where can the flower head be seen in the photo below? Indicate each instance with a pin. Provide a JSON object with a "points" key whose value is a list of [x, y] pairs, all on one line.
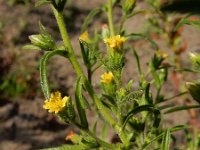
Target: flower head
{"points": [[55, 103], [84, 37], [115, 42], [107, 78], [161, 54]]}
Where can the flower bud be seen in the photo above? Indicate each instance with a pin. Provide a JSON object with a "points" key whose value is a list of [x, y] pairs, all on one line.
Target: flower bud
{"points": [[195, 60], [194, 89], [128, 6], [105, 31], [85, 37], [158, 58], [68, 114], [43, 41]]}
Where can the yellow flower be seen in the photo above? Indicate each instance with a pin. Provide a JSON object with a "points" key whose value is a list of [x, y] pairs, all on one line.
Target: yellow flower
{"points": [[107, 78], [55, 103], [161, 54], [115, 41], [84, 37]]}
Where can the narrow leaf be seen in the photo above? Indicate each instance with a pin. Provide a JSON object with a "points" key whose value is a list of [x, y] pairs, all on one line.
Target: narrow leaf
{"points": [[89, 18], [187, 21], [141, 36], [180, 108], [166, 140], [43, 70], [137, 60], [174, 129], [80, 103], [147, 94], [69, 147], [139, 109], [104, 131], [42, 2]]}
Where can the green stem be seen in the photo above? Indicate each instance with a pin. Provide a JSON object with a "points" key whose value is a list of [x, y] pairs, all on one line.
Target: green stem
{"points": [[89, 74], [103, 143], [100, 142], [77, 67], [110, 17], [67, 43]]}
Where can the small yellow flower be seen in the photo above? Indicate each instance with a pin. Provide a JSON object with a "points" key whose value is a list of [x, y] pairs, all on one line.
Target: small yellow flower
{"points": [[55, 103], [115, 42], [107, 78], [161, 54], [84, 37]]}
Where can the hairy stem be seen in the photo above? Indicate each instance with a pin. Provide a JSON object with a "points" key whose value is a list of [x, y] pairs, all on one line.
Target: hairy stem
{"points": [[110, 18], [77, 68], [100, 142]]}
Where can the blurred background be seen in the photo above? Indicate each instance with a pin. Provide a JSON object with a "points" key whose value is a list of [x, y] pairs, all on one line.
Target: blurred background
{"points": [[24, 124]]}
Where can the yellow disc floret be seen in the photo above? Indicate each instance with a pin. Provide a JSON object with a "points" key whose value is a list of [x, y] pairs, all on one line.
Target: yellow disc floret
{"points": [[55, 103], [115, 42], [161, 54], [107, 78], [84, 37]]}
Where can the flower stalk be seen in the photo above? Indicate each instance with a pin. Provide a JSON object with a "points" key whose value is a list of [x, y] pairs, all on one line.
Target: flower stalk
{"points": [[77, 67], [110, 18]]}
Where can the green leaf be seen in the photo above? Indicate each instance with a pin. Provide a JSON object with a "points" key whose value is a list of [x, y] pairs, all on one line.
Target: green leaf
{"points": [[43, 70], [69, 147], [174, 129], [94, 129], [90, 142], [89, 18], [139, 109], [31, 47], [104, 132], [80, 103], [169, 98], [166, 106], [194, 89], [137, 60], [166, 140], [42, 2], [188, 70], [135, 13], [42, 28], [180, 108], [135, 36], [186, 21], [156, 78], [148, 98], [85, 53]]}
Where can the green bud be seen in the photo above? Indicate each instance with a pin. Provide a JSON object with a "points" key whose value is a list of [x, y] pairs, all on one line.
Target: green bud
{"points": [[43, 41], [105, 32], [128, 6], [195, 60], [59, 4], [90, 142], [163, 74], [194, 89], [68, 114], [121, 93], [158, 58]]}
